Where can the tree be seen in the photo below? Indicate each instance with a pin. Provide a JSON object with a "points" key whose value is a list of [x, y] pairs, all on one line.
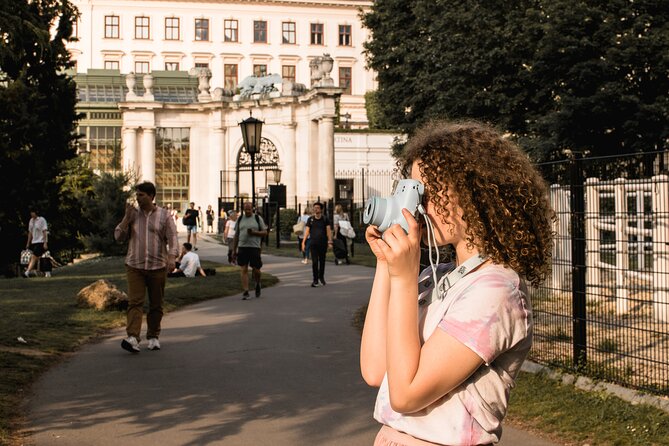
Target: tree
{"points": [[37, 113], [105, 207], [588, 76], [606, 63]]}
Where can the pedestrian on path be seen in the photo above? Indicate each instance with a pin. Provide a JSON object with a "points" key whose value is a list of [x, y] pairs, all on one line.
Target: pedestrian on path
{"points": [[38, 239], [152, 250], [250, 229], [192, 220], [319, 234], [446, 355]]}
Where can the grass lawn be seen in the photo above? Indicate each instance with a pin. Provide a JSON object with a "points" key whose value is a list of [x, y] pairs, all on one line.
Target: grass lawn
{"points": [[43, 311]]}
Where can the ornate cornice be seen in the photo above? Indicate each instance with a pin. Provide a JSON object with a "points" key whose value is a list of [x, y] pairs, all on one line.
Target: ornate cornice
{"points": [[307, 3]]}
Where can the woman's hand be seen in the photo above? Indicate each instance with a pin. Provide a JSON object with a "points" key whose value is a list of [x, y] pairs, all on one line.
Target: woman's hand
{"points": [[402, 250], [373, 237]]}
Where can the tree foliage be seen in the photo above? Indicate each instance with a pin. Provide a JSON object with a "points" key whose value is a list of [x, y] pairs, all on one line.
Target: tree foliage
{"points": [[589, 76], [105, 207], [37, 114]]}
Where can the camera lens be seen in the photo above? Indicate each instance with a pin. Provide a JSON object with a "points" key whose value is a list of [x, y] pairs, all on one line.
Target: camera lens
{"points": [[375, 210]]}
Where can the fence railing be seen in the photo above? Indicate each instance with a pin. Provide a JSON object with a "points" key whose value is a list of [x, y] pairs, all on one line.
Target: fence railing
{"points": [[605, 310]]}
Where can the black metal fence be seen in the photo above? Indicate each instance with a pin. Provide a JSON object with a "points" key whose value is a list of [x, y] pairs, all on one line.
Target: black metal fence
{"points": [[605, 310]]}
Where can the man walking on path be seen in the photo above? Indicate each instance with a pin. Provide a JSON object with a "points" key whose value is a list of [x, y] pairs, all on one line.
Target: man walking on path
{"points": [[152, 250], [37, 239], [191, 220], [249, 231], [319, 233]]}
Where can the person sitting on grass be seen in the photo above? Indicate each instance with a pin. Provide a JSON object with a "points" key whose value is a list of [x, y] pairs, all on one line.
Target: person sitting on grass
{"points": [[189, 265]]}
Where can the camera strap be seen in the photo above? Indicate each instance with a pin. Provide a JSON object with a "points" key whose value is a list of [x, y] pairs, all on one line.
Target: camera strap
{"points": [[447, 281]]}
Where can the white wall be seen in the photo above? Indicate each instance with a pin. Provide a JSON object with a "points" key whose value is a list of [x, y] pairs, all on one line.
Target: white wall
{"points": [[93, 48]]}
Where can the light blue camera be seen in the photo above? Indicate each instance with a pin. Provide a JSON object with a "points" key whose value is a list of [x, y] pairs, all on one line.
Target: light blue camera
{"points": [[385, 212]]}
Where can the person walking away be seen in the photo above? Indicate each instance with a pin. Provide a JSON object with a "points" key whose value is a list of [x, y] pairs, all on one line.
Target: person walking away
{"points": [[249, 231], [338, 216], [319, 233], [152, 250], [38, 239], [189, 265], [304, 218], [210, 220], [229, 233], [445, 346], [191, 221]]}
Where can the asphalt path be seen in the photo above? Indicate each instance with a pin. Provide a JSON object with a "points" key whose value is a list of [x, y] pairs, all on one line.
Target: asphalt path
{"points": [[279, 370]]}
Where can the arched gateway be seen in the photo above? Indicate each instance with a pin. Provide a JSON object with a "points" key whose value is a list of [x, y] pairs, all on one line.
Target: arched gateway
{"points": [[187, 139]]}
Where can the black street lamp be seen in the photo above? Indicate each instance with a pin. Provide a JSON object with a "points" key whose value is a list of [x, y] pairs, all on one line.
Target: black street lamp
{"points": [[252, 135]]}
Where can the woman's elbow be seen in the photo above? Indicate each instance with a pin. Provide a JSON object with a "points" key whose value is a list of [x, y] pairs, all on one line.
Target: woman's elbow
{"points": [[403, 405], [372, 377]]}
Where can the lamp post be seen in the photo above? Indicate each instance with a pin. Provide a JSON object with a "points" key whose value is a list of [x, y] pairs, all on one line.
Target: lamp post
{"points": [[252, 135]]}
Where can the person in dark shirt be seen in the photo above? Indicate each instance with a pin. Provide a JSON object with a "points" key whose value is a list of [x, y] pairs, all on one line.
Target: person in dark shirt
{"points": [[192, 220], [319, 233]]}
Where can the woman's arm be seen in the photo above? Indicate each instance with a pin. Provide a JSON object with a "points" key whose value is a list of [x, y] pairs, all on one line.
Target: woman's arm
{"points": [[374, 333], [417, 375]]}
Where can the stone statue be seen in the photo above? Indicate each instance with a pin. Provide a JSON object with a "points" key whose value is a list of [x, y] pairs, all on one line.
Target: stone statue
{"points": [[258, 85], [203, 76], [321, 66], [131, 82], [148, 87]]}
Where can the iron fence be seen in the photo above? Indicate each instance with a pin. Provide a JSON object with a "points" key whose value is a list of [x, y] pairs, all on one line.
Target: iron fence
{"points": [[605, 310]]}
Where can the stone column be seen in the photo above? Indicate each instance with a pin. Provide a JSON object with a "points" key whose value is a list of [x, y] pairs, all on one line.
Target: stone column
{"points": [[326, 157], [215, 166], [289, 165], [129, 144], [148, 155]]}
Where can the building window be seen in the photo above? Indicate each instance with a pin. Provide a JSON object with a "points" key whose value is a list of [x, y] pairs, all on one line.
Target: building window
{"points": [[230, 79], [288, 32], [230, 29], [201, 65], [142, 27], [259, 31], [173, 167], [288, 73], [345, 79], [317, 34], [172, 31], [141, 67], [345, 35], [259, 70], [202, 30], [102, 145], [171, 66], [111, 65], [112, 27], [75, 28]]}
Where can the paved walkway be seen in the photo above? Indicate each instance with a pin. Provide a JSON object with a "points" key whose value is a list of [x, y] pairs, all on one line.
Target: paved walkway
{"points": [[280, 370]]}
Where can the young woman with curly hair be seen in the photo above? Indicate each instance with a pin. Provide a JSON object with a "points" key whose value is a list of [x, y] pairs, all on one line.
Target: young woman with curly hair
{"points": [[445, 357]]}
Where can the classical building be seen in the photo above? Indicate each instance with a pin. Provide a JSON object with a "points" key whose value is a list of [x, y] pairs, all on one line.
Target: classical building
{"points": [[163, 85]]}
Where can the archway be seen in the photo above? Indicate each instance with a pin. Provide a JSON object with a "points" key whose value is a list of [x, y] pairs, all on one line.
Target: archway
{"points": [[267, 158]]}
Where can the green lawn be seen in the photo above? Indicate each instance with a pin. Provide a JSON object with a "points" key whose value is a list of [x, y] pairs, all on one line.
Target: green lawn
{"points": [[43, 311]]}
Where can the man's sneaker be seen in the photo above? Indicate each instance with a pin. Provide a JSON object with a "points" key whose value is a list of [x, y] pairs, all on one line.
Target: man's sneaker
{"points": [[323, 282], [305, 261], [47, 274], [131, 344], [27, 274], [154, 344], [245, 295], [314, 284], [258, 289]]}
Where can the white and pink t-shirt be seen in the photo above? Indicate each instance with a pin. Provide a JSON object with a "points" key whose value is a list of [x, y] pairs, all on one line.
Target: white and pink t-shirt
{"points": [[488, 310]]}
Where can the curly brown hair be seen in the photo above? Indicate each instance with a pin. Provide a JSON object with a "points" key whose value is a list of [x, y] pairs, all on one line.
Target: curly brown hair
{"points": [[503, 197]]}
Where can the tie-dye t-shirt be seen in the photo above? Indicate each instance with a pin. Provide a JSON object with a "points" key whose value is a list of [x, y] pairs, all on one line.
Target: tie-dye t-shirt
{"points": [[488, 311]]}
